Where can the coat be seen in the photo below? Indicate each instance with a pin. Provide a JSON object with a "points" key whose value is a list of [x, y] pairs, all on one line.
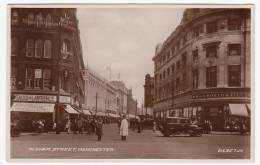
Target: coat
{"points": [[124, 128], [99, 128]]}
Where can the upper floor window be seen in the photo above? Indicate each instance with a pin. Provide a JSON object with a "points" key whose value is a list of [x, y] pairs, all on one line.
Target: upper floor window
{"points": [[29, 75], [211, 27], [173, 50], [39, 20], [164, 74], [211, 76], [184, 39], [14, 46], [168, 71], [184, 58], [197, 30], [177, 45], [38, 48], [173, 68], [234, 49], [30, 48], [234, 24], [195, 78], [184, 80], [195, 55], [14, 19], [66, 46], [178, 65], [47, 49], [48, 20], [14, 74], [211, 51], [30, 19], [234, 75]]}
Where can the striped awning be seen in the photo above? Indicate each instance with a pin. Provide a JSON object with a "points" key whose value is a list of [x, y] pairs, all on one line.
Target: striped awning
{"points": [[70, 109], [238, 110]]}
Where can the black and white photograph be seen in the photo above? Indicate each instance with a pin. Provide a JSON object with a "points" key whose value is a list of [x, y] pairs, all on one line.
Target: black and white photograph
{"points": [[130, 81]]}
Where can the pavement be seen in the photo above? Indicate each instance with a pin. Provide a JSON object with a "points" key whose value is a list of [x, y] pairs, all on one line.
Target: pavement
{"points": [[144, 145]]}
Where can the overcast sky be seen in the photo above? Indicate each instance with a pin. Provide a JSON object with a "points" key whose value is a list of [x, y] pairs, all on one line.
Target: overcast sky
{"points": [[125, 38]]}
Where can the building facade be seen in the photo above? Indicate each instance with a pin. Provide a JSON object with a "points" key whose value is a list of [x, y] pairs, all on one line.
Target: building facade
{"points": [[100, 94], [202, 70], [121, 96], [148, 94], [46, 62], [131, 104]]}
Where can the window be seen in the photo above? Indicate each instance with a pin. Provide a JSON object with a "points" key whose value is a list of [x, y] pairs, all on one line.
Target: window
{"points": [[184, 80], [211, 27], [39, 20], [30, 48], [177, 45], [14, 46], [160, 77], [178, 65], [46, 78], [234, 24], [184, 58], [168, 71], [211, 50], [195, 56], [164, 73], [48, 20], [198, 30], [178, 84], [173, 50], [211, 77], [184, 39], [234, 49], [37, 78], [38, 48], [14, 19], [195, 79], [13, 77], [47, 49], [234, 75], [30, 19], [173, 68], [29, 77], [65, 46]]}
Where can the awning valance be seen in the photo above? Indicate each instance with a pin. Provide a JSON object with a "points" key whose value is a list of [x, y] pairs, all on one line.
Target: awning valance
{"points": [[100, 113], [70, 109], [86, 112], [33, 107], [113, 115], [238, 110]]}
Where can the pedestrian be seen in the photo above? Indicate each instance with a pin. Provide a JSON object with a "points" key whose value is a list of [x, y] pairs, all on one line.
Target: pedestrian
{"points": [[54, 126], [99, 129], [80, 125], [119, 124], [68, 126], [139, 124], [154, 126], [124, 128]]}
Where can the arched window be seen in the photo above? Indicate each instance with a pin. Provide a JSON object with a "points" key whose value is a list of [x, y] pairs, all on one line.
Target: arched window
{"points": [[65, 46], [14, 46], [14, 18], [38, 48], [30, 48], [47, 49], [48, 20], [30, 19], [39, 20]]}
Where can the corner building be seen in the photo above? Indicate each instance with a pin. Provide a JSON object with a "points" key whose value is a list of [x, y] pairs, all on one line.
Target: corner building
{"points": [[46, 64], [202, 70]]}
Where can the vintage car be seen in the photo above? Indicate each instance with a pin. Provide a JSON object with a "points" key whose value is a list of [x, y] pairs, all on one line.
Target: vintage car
{"points": [[179, 125]]}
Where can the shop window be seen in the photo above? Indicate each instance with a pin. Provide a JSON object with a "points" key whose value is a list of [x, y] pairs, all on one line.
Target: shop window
{"points": [[234, 49], [234, 24], [30, 19], [29, 78], [38, 48], [14, 19], [13, 77], [195, 55], [234, 75], [30, 48], [47, 49], [211, 27], [211, 51], [211, 77], [46, 78], [14, 46], [195, 79]]}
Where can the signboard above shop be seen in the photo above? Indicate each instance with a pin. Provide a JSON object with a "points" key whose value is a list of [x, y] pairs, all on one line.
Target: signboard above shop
{"points": [[35, 98]]}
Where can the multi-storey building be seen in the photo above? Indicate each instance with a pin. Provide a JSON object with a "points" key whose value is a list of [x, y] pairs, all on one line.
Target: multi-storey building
{"points": [[121, 96], [148, 94], [46, 60], [100, 94], [131, 104], [203, 68]]}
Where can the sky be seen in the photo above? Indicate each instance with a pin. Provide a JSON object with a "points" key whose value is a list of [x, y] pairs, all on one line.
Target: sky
{"points": [[125, 40]]}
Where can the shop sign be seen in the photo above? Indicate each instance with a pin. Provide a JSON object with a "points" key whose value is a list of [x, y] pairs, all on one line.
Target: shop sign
{"points": [[218, 95], [35, 98], [64, 99]]}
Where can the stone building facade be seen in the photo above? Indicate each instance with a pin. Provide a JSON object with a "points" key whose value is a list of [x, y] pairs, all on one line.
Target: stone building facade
{"points": [[202, 70]]}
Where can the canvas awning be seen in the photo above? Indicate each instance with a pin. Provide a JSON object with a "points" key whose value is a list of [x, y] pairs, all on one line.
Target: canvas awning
{"points": [[100, 113], [70, 109], [113, 115], [86, 112], [33, 107], [131, 116], [238, 110]]}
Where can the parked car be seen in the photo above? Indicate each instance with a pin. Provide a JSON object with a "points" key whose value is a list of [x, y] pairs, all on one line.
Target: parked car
{"points": [[179, 125]]}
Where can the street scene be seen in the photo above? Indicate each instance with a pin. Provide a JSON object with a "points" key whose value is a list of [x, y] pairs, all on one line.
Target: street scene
{"points": [[130, 82]]}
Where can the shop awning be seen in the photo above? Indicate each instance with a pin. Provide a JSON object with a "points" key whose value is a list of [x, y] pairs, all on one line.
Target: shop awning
{"points": [[100, 113], [131, 116], [113, 115], [70, 109], [33, 107], [86, 112], [238, 110]]}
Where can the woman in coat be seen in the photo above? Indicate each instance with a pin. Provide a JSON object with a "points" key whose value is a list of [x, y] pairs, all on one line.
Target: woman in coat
{"points": [[124, 128]]}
